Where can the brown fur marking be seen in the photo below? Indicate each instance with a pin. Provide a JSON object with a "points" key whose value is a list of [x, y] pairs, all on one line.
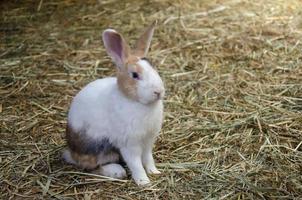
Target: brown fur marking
{"points": [[86, 153], [85, 161], [125, 82], [75, 142]]}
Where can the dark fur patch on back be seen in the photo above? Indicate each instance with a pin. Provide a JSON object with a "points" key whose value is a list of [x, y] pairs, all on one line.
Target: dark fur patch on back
{"points": [[82, 144]]}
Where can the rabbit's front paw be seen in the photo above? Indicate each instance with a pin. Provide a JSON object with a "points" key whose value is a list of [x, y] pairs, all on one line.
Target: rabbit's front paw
{"points": [[153, 170]]}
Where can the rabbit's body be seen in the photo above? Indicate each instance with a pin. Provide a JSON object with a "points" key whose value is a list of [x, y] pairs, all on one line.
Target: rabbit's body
{"points": [[103, 110], [118, 116]]}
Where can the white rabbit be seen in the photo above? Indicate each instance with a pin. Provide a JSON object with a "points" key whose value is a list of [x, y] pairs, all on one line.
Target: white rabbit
{"points": [[118, 117]]}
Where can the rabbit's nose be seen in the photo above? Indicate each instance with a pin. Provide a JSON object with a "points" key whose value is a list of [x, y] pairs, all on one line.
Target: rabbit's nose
{"points": [[157, 94]]}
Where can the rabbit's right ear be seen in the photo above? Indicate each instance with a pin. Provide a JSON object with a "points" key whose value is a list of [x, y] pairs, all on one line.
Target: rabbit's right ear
{"points": [[116, 47], [143, 43]]}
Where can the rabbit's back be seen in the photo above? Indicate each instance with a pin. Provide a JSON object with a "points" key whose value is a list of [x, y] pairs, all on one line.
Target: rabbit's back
{"points": [[91, 102]]}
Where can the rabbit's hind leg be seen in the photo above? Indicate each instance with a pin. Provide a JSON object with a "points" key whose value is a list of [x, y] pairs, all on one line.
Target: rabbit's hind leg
{"points": [[84, 161], [112, 170], [108, 157], [109, 165]]}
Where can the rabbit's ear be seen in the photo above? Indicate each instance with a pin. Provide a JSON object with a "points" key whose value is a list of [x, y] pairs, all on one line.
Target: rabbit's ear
{"points": [[116, 47], [143, 43]]}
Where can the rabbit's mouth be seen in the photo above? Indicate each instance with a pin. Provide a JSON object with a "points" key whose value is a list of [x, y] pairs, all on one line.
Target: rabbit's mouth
{"points": [[155, 99]]}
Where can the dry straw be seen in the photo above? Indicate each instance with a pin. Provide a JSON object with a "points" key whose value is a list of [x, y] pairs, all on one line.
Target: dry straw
{"points": [[233, 108]]}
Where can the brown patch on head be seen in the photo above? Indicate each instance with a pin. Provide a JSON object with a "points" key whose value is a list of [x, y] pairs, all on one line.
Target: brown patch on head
{"points": [[132, 59], [125, 81]]}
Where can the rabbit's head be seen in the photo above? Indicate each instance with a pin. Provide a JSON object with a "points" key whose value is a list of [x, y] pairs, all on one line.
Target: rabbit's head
{"points": [[136, 77]]}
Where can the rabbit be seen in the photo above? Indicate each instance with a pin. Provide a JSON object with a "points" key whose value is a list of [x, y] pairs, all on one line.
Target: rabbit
{"points": [[118, 118]]}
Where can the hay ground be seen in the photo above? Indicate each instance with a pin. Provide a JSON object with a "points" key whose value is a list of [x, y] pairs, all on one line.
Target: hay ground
{"points": [[232, 69]]}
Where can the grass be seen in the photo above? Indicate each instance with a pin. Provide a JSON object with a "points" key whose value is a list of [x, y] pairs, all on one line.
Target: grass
{"points": [[233, 72]]}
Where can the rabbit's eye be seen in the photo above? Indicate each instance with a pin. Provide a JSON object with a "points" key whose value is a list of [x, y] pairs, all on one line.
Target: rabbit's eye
{"points": [[135, 75]]}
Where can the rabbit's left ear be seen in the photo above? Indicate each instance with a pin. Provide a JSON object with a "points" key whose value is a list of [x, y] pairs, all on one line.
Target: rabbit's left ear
{"points": [[116, 47], [143, 43]]}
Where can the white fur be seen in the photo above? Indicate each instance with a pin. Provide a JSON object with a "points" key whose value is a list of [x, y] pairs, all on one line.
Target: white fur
{"points": [[113, 170], [129, 125], [150, 83], [67, 157]]}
